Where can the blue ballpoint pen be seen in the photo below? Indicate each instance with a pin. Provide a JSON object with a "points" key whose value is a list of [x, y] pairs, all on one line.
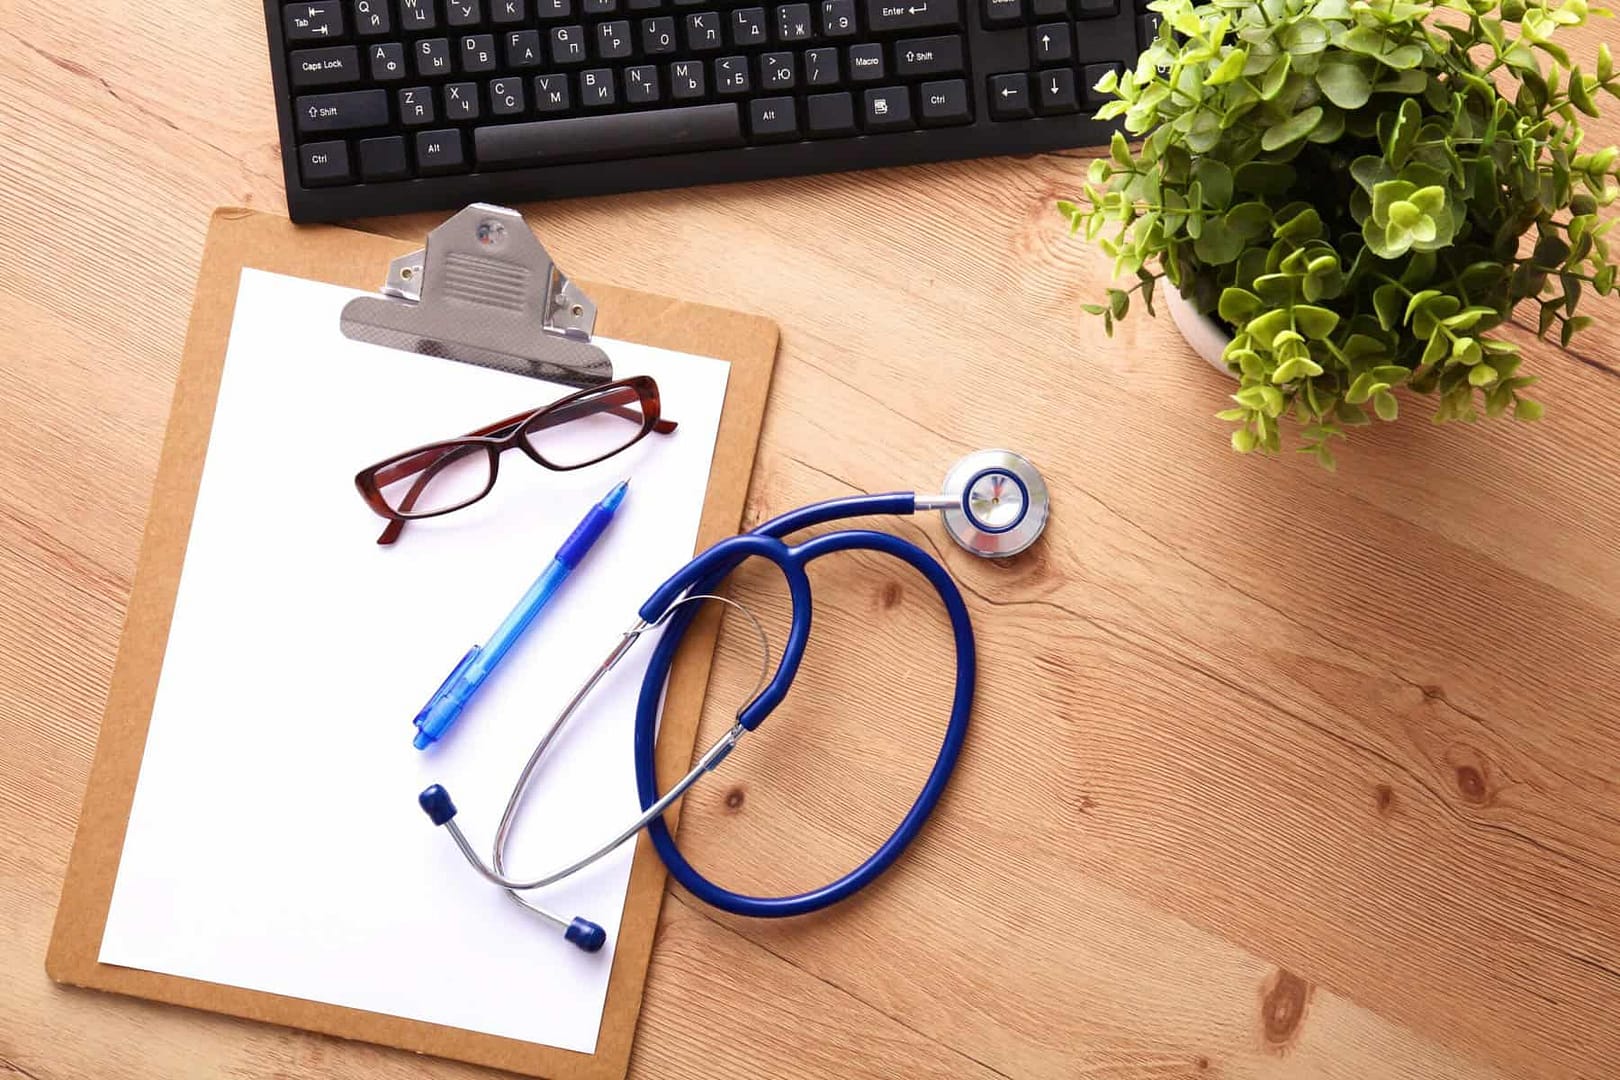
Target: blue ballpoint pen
{"points": [[452, 696]]}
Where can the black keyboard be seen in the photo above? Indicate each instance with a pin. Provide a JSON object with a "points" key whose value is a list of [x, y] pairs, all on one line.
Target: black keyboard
{"points": [[389, 106]]}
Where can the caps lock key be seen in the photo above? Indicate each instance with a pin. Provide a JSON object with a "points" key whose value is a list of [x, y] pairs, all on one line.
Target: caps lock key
{"points": [[883, 15]]}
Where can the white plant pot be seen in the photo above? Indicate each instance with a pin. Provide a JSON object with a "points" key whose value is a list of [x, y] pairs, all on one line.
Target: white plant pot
{"points": [[1207, 336]]}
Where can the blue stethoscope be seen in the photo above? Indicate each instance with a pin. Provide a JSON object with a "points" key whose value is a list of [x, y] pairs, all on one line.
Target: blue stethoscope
{"points": [[995, 505]]}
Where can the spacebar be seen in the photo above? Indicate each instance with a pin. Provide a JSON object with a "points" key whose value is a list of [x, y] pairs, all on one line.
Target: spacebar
{"points": [[619, 135]]}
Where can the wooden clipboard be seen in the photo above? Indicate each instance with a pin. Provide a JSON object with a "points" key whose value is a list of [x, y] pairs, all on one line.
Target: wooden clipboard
{"points": [[240, 238]]}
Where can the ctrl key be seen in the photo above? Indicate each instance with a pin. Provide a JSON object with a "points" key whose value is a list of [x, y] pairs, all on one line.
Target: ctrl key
{"points": [[324, 163]]}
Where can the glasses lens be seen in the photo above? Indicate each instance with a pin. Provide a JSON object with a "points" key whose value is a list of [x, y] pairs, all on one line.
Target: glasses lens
{"points": [[588, 429], [434, 480]]}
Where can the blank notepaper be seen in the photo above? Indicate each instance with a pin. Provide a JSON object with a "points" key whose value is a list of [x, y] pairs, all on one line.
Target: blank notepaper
{"points": [[274, 842]]}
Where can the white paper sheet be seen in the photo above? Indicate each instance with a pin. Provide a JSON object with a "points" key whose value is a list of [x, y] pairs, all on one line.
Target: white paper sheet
{"points": [[275, 842]]}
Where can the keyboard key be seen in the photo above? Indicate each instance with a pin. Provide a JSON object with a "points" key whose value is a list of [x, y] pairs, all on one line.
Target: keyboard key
{"points": [[1147, 28], [773, 118], [793, 22], [478, 53], [462, 12], [928, 56], [1002, 13], [731, 75], [383, 158], [370, 18], [703, 31], [613, 39], [553, 9], [838, 18], [322, 67], [658, 35], [551, 94], [944, 103], [686, 80], [596, 89], [885, 15], [1009, 97], [461, 101], [433, 56], [644, 5], [888, 109], [866, 62], [440, 152], [611, 135], [506, 97], [1050, 44], [568, 44], [821, 67], [1090, 75], [831, 114], [387, 61], [599, 7], [1046, 9], [641, 84], [314, 22], [748, 26], [523, 49], [1097, 9], [416, 106], [1055, 92], [341, 112], [324, 163], [416, 15], [776, 71], [508, 11]]}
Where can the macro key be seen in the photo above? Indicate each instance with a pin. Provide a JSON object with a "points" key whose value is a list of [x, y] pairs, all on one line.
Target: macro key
{"points": [[883, 15], [324, 163], [322, 67], [944, 103], [313, 22], [928, 56], [341, 112]]}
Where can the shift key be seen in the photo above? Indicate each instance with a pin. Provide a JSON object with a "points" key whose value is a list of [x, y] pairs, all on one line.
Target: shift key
{"points": [[883, 15], [342, 112]]}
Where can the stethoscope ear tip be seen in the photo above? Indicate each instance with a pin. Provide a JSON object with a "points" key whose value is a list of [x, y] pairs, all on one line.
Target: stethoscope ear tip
{"points": [[586, 934], [436, 804]]}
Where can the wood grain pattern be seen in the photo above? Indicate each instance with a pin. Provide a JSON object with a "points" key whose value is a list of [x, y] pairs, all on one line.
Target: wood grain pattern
{"points": [[1274, 773]]}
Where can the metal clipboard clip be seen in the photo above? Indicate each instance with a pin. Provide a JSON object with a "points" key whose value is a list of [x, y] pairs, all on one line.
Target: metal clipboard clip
{"points": [[484, 291]]}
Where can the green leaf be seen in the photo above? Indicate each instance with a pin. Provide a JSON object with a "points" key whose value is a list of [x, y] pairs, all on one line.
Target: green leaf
{"points": [[1237, 306], [1304, 225], [1229, 69], [1387, 303], [1276, 78], [1385, 405], [1216, 180], [1263, 177], [1315, 322], [1218, 243], [1344, 82], [1120, 151], [1481, 375], [1291, 130], [1243, 440], [1304, 37], [1527, 410]]}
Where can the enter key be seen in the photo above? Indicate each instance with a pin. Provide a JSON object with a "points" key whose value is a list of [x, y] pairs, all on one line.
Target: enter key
{"points": [[885, 15], [928, 56]]}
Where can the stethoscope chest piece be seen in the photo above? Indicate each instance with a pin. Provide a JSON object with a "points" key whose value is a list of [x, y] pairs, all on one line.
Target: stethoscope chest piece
{"points": [[1003, 503]]}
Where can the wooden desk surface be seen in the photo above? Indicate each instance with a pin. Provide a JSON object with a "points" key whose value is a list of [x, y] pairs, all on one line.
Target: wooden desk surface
{"points": [[1274, 772]]}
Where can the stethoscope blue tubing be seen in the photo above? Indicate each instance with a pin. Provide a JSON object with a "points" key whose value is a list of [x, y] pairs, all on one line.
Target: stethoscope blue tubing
{"points": [[704, 574]]}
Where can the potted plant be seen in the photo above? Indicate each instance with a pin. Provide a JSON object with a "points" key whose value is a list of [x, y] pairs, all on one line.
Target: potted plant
{"points": [[1359, 192]]}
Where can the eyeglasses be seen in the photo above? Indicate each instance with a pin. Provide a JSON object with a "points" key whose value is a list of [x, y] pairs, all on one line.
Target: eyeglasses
{"points": [[571, 433]]}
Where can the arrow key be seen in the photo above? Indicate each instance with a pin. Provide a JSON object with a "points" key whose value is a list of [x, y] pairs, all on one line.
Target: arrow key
{"points": [[1049, 43], [1056, 91], [1009, 96], [319, 21]]}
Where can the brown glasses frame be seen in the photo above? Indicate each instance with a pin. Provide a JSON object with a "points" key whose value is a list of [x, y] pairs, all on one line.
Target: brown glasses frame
{"points": [[493, 440]]}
